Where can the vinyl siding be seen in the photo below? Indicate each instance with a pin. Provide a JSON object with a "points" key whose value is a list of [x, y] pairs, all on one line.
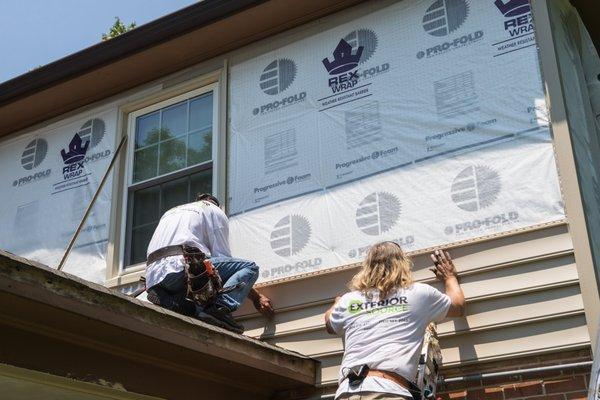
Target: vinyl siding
{"points": [[522, 295]]}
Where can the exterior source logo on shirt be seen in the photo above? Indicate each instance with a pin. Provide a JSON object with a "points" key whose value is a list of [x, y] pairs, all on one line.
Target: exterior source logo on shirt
{"points": [[389, 305], [475, 188], [378, 213], [290, 235], [34, 153], [445, 16], [277, 76]]}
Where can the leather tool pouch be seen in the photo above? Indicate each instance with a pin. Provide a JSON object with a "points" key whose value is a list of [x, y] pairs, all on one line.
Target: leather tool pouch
{"points": [[203, 280]]}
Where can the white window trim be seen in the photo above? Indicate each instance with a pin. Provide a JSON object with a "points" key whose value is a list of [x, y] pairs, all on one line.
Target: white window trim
{"points": [[133, 272]]}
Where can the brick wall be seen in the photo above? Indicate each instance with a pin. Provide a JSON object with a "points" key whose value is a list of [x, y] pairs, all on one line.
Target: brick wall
{"points": [[568, 384]]}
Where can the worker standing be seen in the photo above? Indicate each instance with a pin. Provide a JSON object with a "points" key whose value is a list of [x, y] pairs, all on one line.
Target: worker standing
{"points": [[383, 321], [204, 227]]}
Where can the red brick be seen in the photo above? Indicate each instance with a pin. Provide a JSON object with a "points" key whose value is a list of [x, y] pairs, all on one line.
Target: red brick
{"points": [[458, 395], [569, 384], [577, 395], [475, 394], [489, 393], [442, 396], [523, 389]]}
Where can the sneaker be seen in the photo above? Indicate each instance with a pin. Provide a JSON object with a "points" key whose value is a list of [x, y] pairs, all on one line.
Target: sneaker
{"points": [[221, 317]]}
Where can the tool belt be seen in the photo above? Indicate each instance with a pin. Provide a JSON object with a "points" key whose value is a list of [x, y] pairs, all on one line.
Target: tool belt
{"points": [[203, 280], [358, 374]]}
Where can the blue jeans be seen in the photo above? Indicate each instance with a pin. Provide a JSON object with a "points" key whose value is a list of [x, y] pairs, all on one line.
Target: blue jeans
{"points": [[233, 271], [171, 291], [171, 294]]}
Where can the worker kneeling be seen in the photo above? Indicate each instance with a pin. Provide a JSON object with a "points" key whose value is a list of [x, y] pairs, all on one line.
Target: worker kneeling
{"points": [[383, 320], [189, 268]]}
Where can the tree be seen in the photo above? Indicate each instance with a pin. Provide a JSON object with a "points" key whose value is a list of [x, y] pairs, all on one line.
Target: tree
{"points": [[117, 29]]}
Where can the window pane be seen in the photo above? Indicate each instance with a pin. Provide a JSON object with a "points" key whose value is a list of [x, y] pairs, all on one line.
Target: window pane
{"points": [[140, 237], [199, 147], [172, 155], [174, 193], [201, 112], [174, 121], [144, 163], [145, 206], [200, 183], [146, 130]]}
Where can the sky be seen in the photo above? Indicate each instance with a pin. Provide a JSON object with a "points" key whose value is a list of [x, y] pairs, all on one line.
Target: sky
{"points": [[37, 32]]}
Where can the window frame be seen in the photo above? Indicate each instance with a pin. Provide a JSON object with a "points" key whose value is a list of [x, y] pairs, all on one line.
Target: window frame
{"points": [[124, 268]]}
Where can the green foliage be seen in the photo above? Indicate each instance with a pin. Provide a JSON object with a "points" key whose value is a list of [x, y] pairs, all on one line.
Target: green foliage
{"points": [[117, 29]]}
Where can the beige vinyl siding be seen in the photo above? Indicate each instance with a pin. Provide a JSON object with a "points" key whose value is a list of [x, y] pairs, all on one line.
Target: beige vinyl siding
{"points": [[522, 295]]}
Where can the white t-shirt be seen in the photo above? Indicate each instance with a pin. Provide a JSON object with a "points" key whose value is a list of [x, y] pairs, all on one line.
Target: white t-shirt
{"points": [[200, 224], [386, 334]]}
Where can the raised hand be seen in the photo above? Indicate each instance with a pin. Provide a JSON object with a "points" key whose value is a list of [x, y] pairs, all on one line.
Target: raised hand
{"points": [[444, 267]]}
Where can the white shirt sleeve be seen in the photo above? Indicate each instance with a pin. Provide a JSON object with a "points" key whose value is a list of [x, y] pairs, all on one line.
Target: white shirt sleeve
{"points": [[219, 237], [338, 316], [439, 304]]}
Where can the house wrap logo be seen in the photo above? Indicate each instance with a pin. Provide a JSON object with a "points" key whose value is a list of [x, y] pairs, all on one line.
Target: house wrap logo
{"points": [[74, 158], [518, 24], [276, 78], [354, 49], [92, 132], [513, 8], [345, 60], [33, 155], [445, 16], [378, 213], [290, 235], [365, 38], [475, 188]]}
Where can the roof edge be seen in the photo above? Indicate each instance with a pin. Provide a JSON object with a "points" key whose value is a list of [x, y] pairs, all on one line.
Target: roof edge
{"points": [[150, 34]]}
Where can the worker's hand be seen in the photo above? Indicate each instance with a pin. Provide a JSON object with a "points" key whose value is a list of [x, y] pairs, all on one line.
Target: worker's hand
{"points": [[263, 305], [444, 267]]}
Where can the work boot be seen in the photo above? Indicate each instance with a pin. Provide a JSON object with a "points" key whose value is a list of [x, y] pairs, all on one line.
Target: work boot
{"points": [[221, 317]]}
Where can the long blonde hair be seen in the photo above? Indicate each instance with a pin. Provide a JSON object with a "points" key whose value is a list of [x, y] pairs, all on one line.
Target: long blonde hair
{"points": [[386, 268]]}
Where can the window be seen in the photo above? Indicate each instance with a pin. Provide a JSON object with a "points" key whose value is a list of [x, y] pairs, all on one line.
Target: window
{"points": [[172, 162]]}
